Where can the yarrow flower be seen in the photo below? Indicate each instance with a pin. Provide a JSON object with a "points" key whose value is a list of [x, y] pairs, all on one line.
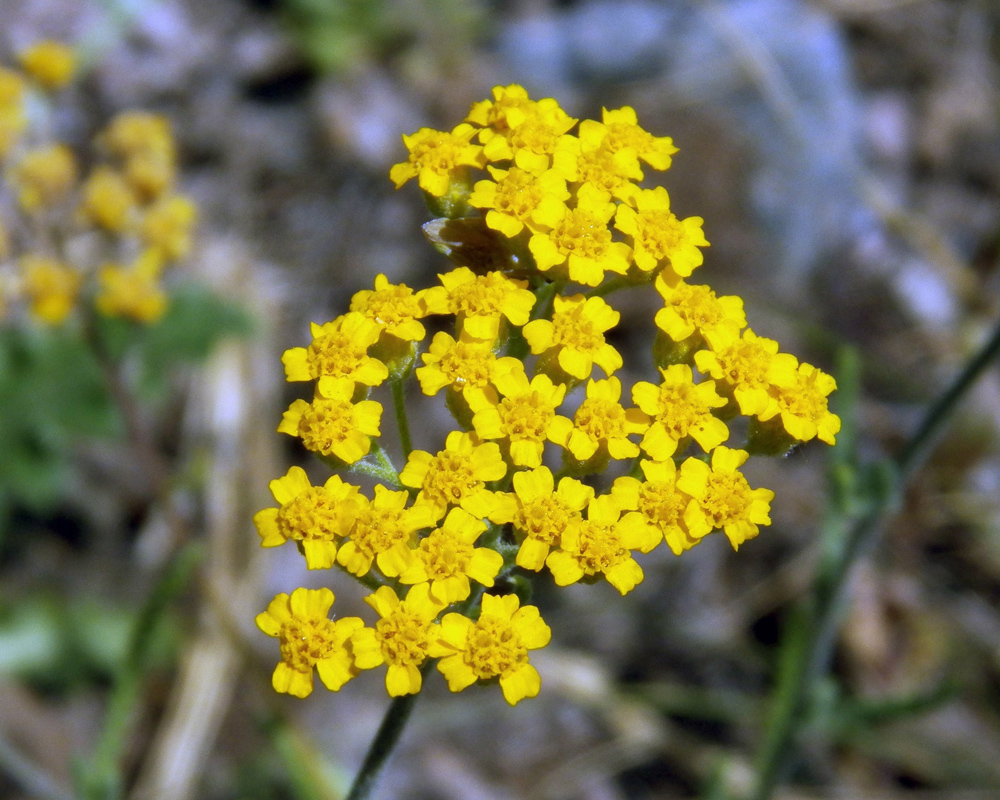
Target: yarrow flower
{"points": [[529, 207], [308, 641]]}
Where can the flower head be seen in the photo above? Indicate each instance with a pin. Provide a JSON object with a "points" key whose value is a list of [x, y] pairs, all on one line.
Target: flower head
{"points": [[573, 340], [601, 426], [43, 177], [748, 366], [658, 237], [601, 546], [401, 638], [679, 408], [531, 133], [513, 196], [722, 498], [314, 517], [339, 349], [435, 156], [135, 291], [167, 225], [575, 243], [623, 132], [524, 419], [467, 365], [494, 646], [690, 310], [802, 406], [50, 63], [108, 199], [658, 500], [397, 309], [457, 476], [543, 516], [331, 424], [448, 558], [308, 639], [383, 532], [52, 287], [481, 302]]}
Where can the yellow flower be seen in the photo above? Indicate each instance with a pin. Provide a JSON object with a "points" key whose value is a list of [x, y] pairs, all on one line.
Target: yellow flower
{"points": [[331, 424], [50, 63], [52, 287], [494, 646], [43, 177], [133, 292], [532, 134], [659, 501], [601, 546], [679, 408], [492, 114], [314, 517], [722, 498], [339, 349], [457, 476], [145, 144], [543, 516], [309, 639], [396, 309], [480, 302], [13, 119], [436, 156], [601, 426], [658, 237], [587, 161], [136, 132], [573, 340], [803, 407], [623, 132], [167, 226], [513, 195], [691, 309], [108, 200], [575, 243], [382, 533], [748, 367], [468, 366], [448, 558], [524, 418], [401, 639]]}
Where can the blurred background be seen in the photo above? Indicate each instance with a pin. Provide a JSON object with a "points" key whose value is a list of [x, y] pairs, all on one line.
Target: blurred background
{"points": [[845, 155]]}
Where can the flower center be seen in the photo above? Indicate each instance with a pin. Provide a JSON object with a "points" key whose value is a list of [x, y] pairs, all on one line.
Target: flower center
{"points": [[325, 424], [581, 233], [402, 636], [660, 232], [518, 195], [680, 409], [728, 498], [525, 417], [494, 647], [304, 642], [544, 519], [313, 515], [335, 354], [377, 530], [745, 363], [468, 364], [661, 504], [599, 548], [392, 306], [444, 555], [450, 478], [601, 419], [577, 331]]}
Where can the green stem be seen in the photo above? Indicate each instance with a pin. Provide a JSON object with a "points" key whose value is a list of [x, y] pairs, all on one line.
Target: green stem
{"points": [[611, 286], [377, 465], [817, 623], [102, 778], [402, 421], [385, 741]]}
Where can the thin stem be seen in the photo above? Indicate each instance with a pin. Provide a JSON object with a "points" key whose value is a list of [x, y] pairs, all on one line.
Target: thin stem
{"points": [[402, 421], [384, 742], [816, 625], [380, 467]]}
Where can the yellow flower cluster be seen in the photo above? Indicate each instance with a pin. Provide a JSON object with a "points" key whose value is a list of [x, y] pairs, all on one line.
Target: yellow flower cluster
{"points": [[567, 219], [104, 237]]}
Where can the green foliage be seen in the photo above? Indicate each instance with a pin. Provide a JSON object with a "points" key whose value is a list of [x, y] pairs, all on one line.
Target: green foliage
{"points": [[53, 391]]}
